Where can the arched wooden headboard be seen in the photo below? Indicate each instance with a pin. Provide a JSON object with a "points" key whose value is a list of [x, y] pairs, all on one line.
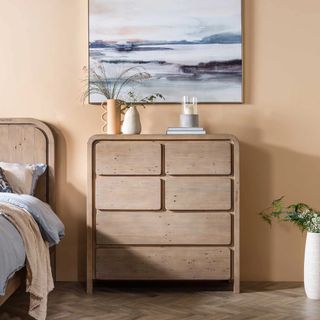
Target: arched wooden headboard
{"points": [[26, 140]]}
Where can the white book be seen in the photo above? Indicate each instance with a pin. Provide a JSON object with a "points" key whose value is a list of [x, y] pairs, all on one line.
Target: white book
{"points": [[186, 132], [185, 129]]}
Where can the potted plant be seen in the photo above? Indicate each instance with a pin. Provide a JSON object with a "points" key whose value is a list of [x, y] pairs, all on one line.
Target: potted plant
{"points": [[131, 123], [307, 219], [113, 89]]}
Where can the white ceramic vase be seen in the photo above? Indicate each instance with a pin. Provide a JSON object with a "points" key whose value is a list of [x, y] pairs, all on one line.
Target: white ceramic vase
{"points": [[131, 122], [312, 266]]}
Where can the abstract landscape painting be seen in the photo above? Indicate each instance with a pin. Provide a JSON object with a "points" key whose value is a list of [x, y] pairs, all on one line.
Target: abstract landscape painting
{"points": [[189, 47]]}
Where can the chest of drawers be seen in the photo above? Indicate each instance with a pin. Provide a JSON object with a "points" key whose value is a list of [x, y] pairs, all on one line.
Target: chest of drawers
{"points": [[163, 208]]}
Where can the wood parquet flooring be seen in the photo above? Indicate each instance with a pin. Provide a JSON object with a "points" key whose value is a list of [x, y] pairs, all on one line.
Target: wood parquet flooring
{"points": [[170, 301]]}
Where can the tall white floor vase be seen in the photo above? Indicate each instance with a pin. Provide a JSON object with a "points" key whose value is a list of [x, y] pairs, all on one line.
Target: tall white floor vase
{"points": [[312, 266]]}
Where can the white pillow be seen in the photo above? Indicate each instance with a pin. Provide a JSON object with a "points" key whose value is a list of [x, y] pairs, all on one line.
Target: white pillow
{"points": [[23, 178]]}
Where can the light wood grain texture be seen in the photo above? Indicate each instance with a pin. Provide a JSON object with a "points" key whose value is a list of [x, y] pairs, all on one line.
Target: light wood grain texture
{"points": [[198, 193], [236, 219], [162, 137], [160, 263], [198, 158], [188, 215], [128, 193], [29, 141], [90, 262], [151, 228], [128, 158], [178, 300], [25, 140]]}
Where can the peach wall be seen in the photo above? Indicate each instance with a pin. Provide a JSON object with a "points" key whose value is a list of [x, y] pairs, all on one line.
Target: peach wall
{"points": [[44, 48]]}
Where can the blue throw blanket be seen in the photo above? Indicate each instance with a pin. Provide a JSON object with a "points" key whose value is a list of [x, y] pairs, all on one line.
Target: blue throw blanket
{"points": [[12, 253]]}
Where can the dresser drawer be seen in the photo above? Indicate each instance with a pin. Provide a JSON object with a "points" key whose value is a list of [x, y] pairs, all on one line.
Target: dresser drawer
{"points": [[128, 193], [198, 158], [163, 263], [198, 193], [151, 228], [128, 158]]}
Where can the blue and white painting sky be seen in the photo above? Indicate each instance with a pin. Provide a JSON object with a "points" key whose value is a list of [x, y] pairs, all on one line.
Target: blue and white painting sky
{"points": [[122, 20]]}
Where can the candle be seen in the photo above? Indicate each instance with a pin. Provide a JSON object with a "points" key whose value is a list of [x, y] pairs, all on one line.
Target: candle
{"points": [[190, 107]]}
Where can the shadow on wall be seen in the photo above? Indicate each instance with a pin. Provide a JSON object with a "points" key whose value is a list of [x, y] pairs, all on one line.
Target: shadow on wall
{"points": [[70, 207], [268, 172]]}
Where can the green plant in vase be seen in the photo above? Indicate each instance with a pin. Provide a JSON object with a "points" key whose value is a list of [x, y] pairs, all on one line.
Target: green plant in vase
{"points": [[113, 89], [131, 123], [307, 219], [300, 214]]}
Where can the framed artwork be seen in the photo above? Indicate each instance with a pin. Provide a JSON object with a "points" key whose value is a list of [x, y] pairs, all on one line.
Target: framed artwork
{"points": [[189, 47]]}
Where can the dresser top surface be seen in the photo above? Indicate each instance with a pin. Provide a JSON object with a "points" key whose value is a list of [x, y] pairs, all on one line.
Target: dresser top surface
{"points": [[163, 137]]}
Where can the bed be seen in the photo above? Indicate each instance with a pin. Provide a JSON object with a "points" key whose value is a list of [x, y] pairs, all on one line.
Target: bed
{"points": [[24, 140]]}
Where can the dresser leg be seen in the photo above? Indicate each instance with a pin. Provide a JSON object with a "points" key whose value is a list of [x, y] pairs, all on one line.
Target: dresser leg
{"points": [[89, 286], [236, 286]]}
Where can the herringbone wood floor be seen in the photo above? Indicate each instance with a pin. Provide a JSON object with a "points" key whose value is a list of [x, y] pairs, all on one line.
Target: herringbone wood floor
{"points": [[168, 301]]}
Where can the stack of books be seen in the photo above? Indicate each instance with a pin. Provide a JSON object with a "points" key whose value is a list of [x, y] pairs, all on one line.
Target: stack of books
{"points": [[186, 130]]}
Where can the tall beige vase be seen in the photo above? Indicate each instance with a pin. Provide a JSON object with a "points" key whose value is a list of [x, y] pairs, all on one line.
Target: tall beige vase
{"points": [[111, 116]]}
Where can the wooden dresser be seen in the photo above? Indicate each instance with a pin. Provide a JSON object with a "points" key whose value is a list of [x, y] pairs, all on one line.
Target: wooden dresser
{"points": [[163, 208]]}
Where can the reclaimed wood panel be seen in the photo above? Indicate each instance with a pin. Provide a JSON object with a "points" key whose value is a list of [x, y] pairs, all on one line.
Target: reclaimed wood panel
{"points": [[23, 143], [163, 263], [152, 228], [26, 140], [128, 193], [198, 158], [128, 158], [198, 193]]}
